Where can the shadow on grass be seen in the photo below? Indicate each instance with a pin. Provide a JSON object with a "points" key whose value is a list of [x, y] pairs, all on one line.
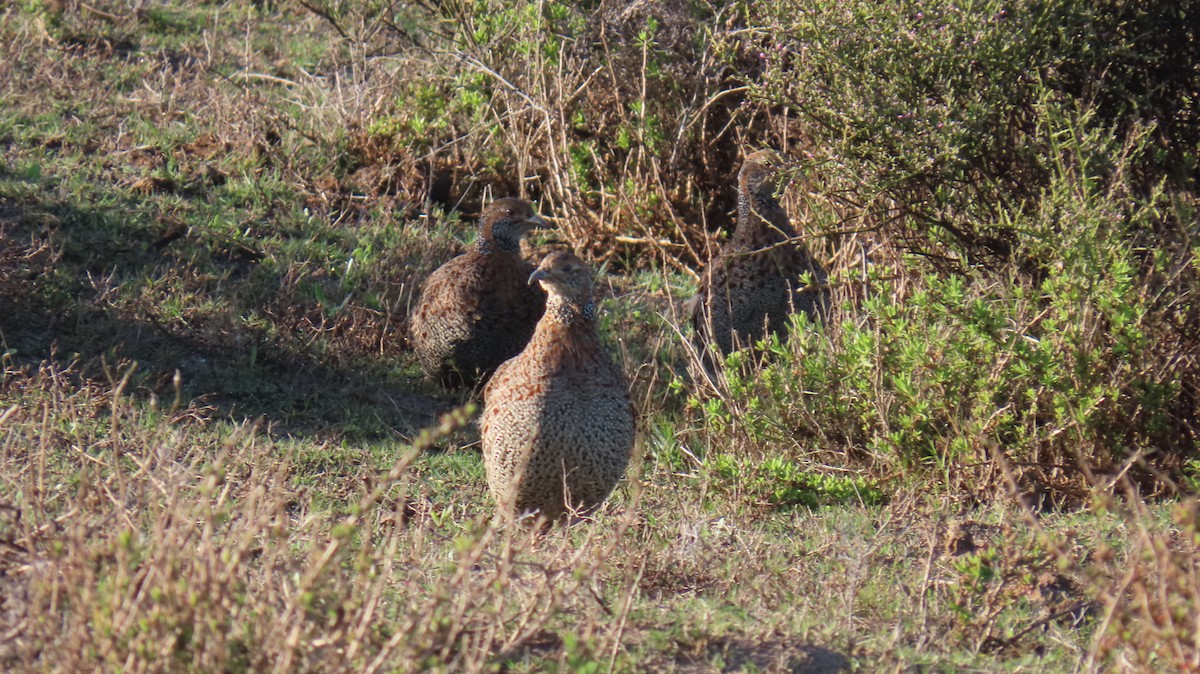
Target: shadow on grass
{"points": [[62, 268], [724, 654], [740, 655]]}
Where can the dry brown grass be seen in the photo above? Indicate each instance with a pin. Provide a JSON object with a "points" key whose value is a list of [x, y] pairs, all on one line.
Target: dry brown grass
{"points": [[140, 540], [147, 537]]}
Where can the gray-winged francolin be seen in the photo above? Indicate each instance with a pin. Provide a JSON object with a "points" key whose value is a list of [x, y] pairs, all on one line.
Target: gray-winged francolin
{"points": [[558, 424], [751, 286], [478, 310]]}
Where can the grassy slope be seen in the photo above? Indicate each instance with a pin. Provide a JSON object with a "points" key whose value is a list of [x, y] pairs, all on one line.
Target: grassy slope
{"points": [[246, 499]]}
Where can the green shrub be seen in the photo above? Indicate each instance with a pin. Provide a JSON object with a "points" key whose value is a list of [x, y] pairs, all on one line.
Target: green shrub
{"points": [[939, 108], [940, 373], [1032, 264]]}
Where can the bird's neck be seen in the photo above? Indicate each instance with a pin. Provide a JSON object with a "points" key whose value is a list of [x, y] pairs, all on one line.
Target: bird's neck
{"points": [[486, 243], [566, 336], [760, 218], [563, 312]]}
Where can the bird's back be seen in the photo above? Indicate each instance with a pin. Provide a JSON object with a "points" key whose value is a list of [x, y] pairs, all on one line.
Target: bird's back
{"points": [[475, 311]]}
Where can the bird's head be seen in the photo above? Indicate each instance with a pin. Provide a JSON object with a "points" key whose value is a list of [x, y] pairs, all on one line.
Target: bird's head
{"points": [[505, 221], [759, 172], [562, 273]]}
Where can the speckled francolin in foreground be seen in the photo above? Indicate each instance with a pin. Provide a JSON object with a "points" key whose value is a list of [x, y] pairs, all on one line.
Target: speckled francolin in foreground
{"points": [[558, 424], [750, 287], [478, 309]]}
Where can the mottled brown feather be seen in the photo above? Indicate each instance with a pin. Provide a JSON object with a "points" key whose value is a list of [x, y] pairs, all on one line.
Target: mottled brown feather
{"points": [[478, 309], [754, 283], [558, 423]]}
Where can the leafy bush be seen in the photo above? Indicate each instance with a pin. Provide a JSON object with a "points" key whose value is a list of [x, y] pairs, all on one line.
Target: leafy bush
{"points": [[939, 110], [947, 371], [1028, 292]]}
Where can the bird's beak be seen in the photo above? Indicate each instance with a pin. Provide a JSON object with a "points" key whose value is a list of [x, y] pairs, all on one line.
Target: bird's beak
{"points": [[537, 275], [537, 221]]}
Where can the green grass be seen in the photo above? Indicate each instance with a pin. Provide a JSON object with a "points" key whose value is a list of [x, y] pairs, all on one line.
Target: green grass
{"points": [[213, 220]]}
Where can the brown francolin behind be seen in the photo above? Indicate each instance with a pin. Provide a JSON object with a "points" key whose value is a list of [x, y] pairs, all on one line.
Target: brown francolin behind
{"points": [[478, 309]]}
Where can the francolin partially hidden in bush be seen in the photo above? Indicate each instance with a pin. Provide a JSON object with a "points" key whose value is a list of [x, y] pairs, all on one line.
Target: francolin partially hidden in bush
{"points": [[754, 283], [478, 310], [558, 424]]}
